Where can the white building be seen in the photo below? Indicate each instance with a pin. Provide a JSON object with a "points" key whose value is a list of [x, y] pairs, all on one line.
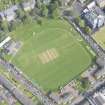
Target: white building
{"points": [[27, 6], [94, 16], [99, 98], [5, 41]]}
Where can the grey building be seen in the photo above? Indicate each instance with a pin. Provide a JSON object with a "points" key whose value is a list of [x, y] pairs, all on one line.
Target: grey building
{"points": [[93, 16], [10, 13], [99, 99]]}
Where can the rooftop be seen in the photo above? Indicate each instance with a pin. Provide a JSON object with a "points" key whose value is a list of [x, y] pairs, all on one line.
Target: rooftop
{"points": [[99, 99]]}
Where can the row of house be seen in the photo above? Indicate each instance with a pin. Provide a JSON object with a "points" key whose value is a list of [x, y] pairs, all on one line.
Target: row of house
{"points": [[10, 13], [100, 3], [93, 15], [99, 98]]}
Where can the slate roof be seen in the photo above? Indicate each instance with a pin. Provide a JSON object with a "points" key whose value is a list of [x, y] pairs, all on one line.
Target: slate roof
{"points": [[99, 99], [9, 13], [94, 15]]}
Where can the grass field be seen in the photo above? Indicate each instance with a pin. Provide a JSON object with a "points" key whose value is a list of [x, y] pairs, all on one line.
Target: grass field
{"points": [[100, 37], [51, 54]]}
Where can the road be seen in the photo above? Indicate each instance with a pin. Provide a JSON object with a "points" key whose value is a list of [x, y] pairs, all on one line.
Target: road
{"points": [[92, 43], [97, 49], [23, 99], [34, 89]]}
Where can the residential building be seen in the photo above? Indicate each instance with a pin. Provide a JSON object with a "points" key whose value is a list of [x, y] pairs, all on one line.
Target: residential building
{"points": [[100, 74], [15, 91], [10, 13], [99, 98], [101, 3], [5, 41], [56, 98], [93, 16]]}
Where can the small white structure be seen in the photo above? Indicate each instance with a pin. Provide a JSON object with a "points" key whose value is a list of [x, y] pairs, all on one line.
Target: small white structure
{"points": [[91, 5], [27, 6], [82, 1], [5, 41]]}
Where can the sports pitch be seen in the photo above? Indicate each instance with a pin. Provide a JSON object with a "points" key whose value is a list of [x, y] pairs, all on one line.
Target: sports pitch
{"points": [[51, 54]]}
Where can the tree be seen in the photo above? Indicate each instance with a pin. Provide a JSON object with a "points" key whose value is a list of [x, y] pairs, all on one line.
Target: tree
{"points": [[13, 25], [20, 14], [82, 23], [54, 9], [53, 5], [84, 82], [4, 26], [77, 20], [44, 11], [87, 30], [38, 4], [2, 35], [39, 20], [27, 18], [33, 12], [55, 13]]}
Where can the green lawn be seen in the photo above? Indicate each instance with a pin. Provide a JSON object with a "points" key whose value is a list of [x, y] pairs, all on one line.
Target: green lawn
{"points": [[100, 37], [70, 56]]}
